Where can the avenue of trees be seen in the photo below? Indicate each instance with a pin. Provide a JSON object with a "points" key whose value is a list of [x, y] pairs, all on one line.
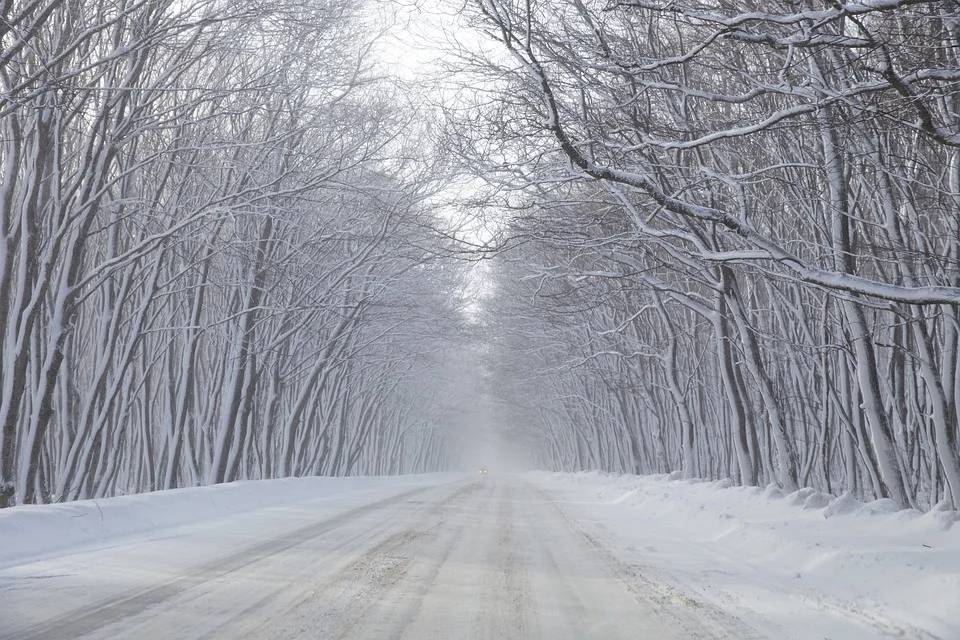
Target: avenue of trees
{"points": [[730, 241], [717, 238], [213, 250]]}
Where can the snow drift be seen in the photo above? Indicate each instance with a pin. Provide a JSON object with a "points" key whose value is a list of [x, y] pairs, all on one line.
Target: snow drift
{"points": [[897, 572], [30, 532]]}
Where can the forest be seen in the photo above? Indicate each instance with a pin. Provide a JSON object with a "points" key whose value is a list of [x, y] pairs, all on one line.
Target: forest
{"points": [[717, 238]]}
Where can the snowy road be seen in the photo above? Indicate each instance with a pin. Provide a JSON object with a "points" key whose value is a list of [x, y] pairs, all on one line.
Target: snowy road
{"points": [[474, 558]]}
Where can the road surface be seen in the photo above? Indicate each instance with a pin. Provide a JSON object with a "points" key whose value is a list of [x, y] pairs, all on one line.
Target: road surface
{"points": [[486, 557]]}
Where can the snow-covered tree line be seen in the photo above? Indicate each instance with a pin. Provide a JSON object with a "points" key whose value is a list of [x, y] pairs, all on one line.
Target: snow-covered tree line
{"points": [[214, 249], [733, 237]]}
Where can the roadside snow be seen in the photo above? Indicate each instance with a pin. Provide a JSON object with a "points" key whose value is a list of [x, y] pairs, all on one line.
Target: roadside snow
{"points": [[30, 532], [804, 564]]}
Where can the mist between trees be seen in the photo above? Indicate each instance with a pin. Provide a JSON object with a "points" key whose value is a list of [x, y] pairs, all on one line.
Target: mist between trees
{"points": [[728, 243]]}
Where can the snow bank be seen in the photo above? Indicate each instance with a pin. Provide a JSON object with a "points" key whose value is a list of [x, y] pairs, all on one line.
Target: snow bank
{"points": [[33, 531], [896, 571]]}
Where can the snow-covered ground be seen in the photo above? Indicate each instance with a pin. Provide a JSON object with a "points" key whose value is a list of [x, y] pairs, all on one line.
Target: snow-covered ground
{"points": [[803, 565], [32, 532], [546, 556]]}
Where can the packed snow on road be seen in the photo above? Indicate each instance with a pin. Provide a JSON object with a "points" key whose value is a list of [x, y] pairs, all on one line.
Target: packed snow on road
{"points": [[482, 556]]}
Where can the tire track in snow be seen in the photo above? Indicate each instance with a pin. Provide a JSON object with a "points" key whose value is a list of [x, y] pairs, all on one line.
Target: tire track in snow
{"points": [[428, 580], [89, 619], [692, 617], [340, 604], [281, 613], [511, 585]]}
